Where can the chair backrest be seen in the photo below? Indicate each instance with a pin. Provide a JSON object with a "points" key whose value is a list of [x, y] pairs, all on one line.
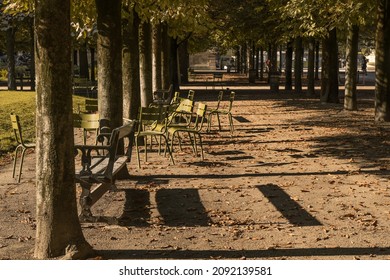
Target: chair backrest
{"points": [[191, 94], [91, 105], [163, 94], [185, 105], [176, 98], [220, 97], [200, 116], [231, 99], [16, 128], [151, 116], [86, 121], [104, 126]]}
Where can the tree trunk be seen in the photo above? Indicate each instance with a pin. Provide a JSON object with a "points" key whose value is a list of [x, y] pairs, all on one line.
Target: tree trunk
{"points": [[298, 65], [131, 73], [239, 59], [184, 61], [11, 58], [165, 50], [156, 57], [280, 59], [274, 58], [329, 79], [350, 99], [317, 55], [109, 49], [92, 51], [83, 59], [173, 64], [261, 63], [145, 65], [310, 68], [289, 63], [257, 62], [58, 228], [382, 61], [32, 61]]}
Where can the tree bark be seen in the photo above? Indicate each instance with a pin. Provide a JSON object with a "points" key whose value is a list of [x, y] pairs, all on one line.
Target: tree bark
{"points": [[156, 57], [165, 50], [174, 64], [32, 61], [310, 68], [83, 59], [11, 58], [184, 61], [58, 228], [382, 61], [298, 65], [131, 74], [109, 51], [257, 62], [261, 63], [329, 76], [145, 66], [317, 63], [350, 99], [92, 51], [289, 63]]}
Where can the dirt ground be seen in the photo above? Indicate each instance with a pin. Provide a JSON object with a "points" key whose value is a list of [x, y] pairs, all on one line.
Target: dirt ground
{"points": [[297, 180]]}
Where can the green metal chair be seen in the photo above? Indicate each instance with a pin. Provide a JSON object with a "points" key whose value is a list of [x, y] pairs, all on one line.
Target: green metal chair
{"points": [[193, 129], [219, 112], [148, 119], [89, 106], [88, 123], [21, 144]]}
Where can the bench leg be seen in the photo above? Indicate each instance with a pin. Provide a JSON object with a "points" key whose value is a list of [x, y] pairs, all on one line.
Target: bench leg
{"points": [[85, 203]]}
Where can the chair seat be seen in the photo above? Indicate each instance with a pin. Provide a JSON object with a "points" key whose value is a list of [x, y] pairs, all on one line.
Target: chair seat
{"points": [[29, 145]]}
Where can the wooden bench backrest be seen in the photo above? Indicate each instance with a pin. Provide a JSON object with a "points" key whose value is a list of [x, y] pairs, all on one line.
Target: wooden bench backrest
{"points": [[117, 135]]}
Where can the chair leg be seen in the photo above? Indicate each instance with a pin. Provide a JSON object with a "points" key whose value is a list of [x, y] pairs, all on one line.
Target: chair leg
{"points": [[209, 122], [169, 150], [146, 147], [193, 143], [21, 163], [219, 122], [231, 122], [15, 159], [137, 148], [201, 145]]}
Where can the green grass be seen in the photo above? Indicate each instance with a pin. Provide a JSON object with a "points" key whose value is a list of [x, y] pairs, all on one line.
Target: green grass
{"points": [[21, 103]]}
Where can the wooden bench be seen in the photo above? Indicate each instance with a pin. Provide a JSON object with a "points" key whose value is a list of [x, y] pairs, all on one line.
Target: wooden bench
{"points": [[101, 165]]}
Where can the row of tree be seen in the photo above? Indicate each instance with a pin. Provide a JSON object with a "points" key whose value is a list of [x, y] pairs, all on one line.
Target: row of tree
{"points": [[137, 44]]}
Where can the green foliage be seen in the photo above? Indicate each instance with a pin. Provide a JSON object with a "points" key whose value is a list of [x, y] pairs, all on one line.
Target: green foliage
{"points": [[316, 17]]}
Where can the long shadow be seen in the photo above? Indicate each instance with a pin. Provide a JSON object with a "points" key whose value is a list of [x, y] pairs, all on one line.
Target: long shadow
{"points": [[268, 174], [136, 210], [289, 208], [181, 207], [235, 254]]}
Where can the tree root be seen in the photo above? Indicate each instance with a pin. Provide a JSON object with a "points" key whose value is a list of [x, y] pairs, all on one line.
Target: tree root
{"points": [[78, 251]]}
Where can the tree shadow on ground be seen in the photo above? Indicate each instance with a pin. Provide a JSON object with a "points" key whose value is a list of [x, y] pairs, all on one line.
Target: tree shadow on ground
{"points": [[289, 208], [177, 207], [181, 207], [248, 254]]}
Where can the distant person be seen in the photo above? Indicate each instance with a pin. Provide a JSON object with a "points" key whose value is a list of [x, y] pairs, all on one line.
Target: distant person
{"points": [[364, 69], [364, 65], [268, 65]]}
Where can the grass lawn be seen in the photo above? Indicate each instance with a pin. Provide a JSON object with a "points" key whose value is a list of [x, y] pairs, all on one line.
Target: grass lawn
{"points": [[21, 103]]}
